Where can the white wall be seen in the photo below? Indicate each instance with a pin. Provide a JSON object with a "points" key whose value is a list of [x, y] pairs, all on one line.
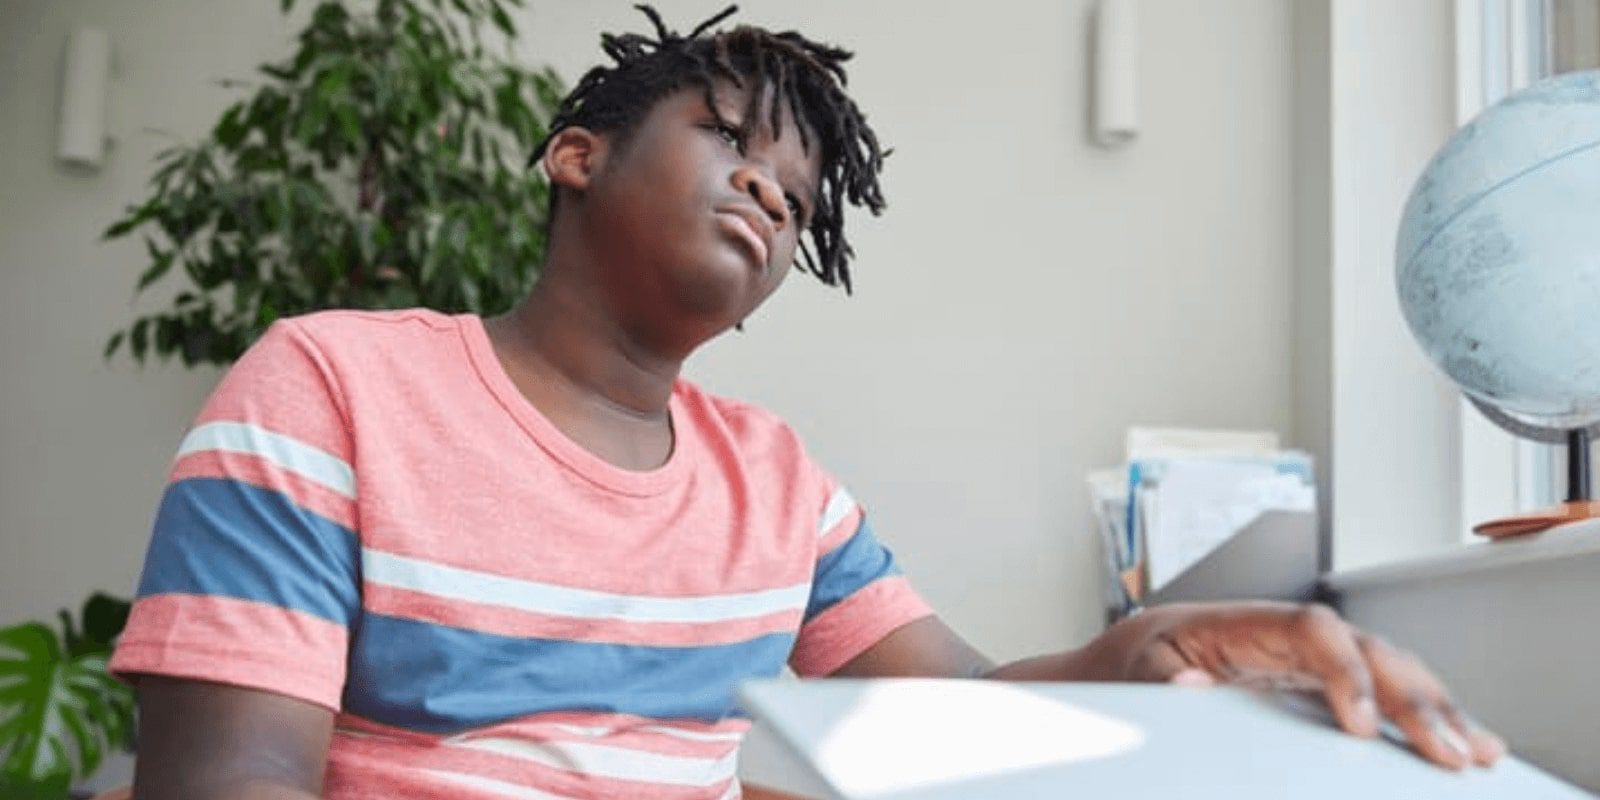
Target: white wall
{"points": [[84, 447], [1024, 300]]}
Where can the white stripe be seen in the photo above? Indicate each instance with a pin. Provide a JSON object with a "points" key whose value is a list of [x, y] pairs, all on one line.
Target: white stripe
{"points": [[605, 761], [839, 506], [600, 732], [455, 583], [283, 451], [492, 785], [695, 736]]}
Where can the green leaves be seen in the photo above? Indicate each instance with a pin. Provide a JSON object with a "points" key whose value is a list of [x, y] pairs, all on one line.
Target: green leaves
{"points": [[103, 619], [379, 165], [60, 709], [502, 20], [230, 130]]}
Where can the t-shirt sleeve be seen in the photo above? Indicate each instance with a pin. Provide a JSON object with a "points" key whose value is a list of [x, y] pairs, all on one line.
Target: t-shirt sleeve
{"points": [[252, 574], [858, 593]]}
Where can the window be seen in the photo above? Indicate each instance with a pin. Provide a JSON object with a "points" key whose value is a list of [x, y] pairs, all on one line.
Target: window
{"points": [[1574, 41]]}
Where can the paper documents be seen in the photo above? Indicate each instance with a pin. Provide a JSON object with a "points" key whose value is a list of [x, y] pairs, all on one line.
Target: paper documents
{"points": [[1200, 503], [1181, 495]]}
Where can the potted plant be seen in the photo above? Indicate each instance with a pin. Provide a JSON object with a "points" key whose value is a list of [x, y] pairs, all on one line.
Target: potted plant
{"points": [[381, 166], [60, 710]]}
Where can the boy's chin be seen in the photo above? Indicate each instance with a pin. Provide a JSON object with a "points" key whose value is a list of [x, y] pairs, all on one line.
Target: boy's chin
{"points": [[688, 325], [714, 302]]}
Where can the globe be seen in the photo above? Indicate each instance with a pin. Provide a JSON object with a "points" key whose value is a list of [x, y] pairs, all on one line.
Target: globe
{"points": [[1498, 256]]}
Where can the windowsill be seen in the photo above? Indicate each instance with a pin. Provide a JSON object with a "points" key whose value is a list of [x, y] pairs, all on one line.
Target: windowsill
{"points": [[1577, 538]]}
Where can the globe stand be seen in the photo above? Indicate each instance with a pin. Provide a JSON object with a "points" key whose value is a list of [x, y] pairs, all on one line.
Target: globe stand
{"points": [[1580, 502]]}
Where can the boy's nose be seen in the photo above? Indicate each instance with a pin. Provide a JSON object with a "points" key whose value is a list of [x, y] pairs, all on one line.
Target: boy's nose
{"points": [[766, 192]]}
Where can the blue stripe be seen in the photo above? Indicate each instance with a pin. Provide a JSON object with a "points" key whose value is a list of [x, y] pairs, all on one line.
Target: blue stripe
{"points": [[848, 568], [433, 678], [215, 536]]}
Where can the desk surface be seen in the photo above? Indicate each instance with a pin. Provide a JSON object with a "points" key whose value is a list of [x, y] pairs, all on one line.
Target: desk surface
{"points": [[931, 740]]}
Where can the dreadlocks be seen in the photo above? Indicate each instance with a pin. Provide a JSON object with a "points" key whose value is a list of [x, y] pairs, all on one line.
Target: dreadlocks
{"points": [[805, 76]]}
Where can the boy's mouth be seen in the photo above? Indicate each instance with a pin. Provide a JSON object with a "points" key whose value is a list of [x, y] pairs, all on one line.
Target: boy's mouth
{"points": [[743, 228]]}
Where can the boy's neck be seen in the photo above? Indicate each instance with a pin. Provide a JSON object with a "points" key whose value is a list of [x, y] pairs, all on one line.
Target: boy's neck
{"points": [[566, 344]]}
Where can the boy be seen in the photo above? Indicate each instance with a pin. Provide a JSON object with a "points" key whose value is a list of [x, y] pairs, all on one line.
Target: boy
{"points": [[412, 554]]}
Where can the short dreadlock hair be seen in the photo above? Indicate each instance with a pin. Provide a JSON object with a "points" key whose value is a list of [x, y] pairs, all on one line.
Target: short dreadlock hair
{"points": [[806, 76]]}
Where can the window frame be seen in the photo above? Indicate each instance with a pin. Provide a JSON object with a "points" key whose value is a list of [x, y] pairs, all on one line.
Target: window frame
{"points": [[1501, 46]]}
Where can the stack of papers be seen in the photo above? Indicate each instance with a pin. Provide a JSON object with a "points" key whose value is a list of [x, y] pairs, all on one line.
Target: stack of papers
{"points": [[1181, 495]]}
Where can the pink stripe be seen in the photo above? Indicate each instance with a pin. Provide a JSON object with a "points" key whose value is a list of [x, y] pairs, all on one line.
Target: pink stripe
{"points": [[645, 736], [237, 642], [612, 730], [528, 725], [840, 533], [280, 384], [641, 739], [503, 621], [258, 471], [347, 751], [349, 777], [852, 626]]}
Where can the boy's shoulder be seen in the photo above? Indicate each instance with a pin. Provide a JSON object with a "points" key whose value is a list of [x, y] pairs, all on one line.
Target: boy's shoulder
{"points": [[372, 340], [345, 325], [753, 427]]}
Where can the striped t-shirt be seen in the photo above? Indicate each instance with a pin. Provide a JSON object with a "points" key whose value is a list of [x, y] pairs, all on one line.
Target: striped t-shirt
{"points": [[368, 515]]}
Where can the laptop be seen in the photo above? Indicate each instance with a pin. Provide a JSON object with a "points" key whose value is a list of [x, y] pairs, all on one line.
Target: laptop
{"points": [[939, 739]]}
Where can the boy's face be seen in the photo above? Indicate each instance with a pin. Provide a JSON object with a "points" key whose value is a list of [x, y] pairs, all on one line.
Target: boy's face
{"points": [[696, 227]]}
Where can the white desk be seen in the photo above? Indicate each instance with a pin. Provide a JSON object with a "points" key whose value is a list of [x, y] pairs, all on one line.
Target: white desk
{"points": [[935, 740]]}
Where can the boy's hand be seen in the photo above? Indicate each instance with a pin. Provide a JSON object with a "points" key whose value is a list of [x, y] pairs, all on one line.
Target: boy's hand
{"points": [[1282, 645], [1286, 645]]}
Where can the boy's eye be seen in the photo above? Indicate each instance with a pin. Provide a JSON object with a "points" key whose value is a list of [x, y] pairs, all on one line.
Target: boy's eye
{"points": [[731, 135], [796, 211]]}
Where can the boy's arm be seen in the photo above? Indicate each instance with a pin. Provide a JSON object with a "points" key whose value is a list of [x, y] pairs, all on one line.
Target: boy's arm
{"points": [[213, 742], [926, 648]]}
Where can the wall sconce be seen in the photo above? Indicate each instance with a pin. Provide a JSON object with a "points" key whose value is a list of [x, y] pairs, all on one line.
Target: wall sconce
{"points": [[86, 72], [1114, 116]]}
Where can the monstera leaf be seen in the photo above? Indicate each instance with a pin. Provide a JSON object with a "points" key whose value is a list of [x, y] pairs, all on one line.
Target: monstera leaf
{"points": [[60, 709]]}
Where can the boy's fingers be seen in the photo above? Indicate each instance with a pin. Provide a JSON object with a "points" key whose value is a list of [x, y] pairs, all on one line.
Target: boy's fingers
{"points": [[1157, 661], [1430, 734], [1362, 678], [1485, 747], [1409, 695], [1328, 650]]}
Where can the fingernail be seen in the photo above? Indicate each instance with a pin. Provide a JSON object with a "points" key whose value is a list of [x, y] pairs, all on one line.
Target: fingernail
{"points": [[1497, 747], [1193, 677], [1451, 737], [1365, 717]]}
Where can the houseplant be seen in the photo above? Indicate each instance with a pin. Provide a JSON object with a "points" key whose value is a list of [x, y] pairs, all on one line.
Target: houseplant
{"points": [[60, 710], [381, 166]]}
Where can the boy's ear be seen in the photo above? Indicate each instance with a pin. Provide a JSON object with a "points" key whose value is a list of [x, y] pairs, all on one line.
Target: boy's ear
{"points": [[572, 157]]}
